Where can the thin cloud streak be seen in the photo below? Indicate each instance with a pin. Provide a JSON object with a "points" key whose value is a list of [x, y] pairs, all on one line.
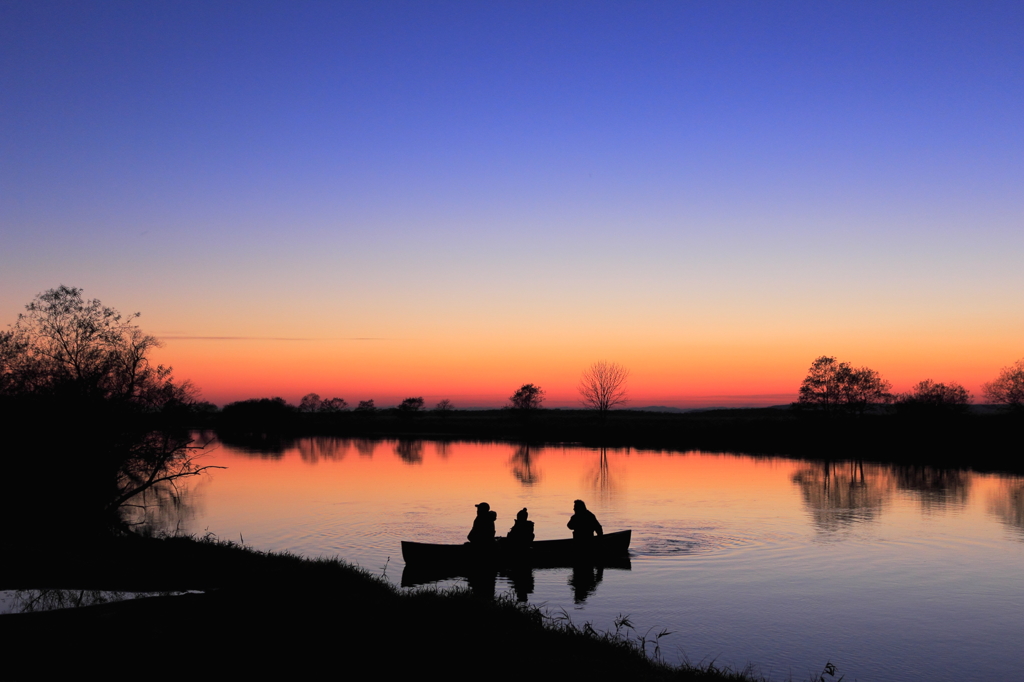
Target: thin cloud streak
{"points": [[171, 337]]}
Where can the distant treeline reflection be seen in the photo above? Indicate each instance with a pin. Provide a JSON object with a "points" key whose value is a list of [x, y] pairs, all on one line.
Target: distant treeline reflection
{"points": [[840, 495], [837, 494], [974, 437]]}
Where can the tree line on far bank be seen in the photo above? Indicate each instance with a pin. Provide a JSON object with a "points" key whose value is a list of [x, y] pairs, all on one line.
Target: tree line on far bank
{"points": [[832, 387]]}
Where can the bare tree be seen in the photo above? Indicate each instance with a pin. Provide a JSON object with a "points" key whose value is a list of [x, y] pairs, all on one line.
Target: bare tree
{"points": [[603, 386]]}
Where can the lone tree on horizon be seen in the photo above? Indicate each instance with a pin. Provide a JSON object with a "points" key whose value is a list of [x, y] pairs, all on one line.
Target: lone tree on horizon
{"points": [[527, 398], [603, 386]]}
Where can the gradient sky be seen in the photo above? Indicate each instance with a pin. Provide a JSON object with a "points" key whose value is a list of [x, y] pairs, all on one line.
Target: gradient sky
{"points": [[450, 199]]}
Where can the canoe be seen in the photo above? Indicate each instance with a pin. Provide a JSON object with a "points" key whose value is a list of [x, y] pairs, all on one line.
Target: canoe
{"points": [[539, 554]]}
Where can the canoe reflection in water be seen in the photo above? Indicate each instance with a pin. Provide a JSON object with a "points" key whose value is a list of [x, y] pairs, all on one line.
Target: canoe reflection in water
{"points": [[583, 580], [481, 565]]}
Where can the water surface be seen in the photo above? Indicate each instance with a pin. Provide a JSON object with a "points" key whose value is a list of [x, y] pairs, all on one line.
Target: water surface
{"points": [[891, 573]]}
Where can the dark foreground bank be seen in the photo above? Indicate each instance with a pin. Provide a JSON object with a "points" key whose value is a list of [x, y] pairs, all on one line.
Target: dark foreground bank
{"points": [[983, 438], [262, 615]]}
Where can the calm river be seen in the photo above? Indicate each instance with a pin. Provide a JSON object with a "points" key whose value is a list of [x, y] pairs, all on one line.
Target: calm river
{"points": [[890, 573]]}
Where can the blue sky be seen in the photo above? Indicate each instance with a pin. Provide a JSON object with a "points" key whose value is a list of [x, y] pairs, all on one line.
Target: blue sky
{"points": [[761, 175]]}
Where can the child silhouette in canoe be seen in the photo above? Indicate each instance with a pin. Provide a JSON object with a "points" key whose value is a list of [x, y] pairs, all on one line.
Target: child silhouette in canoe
{"points": [[521, 532]]}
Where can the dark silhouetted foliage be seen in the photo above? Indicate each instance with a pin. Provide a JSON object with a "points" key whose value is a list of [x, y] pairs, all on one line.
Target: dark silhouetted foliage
{"points": [[527, 398], [113, 423], [834, 387], [68, 347], [334, 405], [310, 403], [366, 406], [929, 397], [1008, 388], [411, 405]]}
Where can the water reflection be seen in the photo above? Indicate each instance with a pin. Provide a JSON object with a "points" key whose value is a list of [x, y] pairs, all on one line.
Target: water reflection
{"points": [[365, 446], [583, 579], [410, 451], [32, 601], [165, 507], [936, 488], [840, 494], [753, 556], [600, 476], [1006, 502], [522, 465], [319, 448]]}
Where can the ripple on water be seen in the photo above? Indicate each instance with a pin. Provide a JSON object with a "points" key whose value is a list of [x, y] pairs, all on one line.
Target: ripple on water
{"points": [[656, 540]]}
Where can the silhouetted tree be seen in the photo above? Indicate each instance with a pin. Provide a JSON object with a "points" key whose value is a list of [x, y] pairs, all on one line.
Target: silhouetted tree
{"points": [[67, 346], [929, 396], [261, 412], [603, 386], [88, 369], [334, 405], [1008, 389], [444, 406], [527, 398], [411, 405], [310, 403], [366, 406], [834, 386]]}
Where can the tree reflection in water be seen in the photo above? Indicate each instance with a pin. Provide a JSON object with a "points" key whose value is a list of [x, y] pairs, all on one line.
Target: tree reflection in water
{"points": [[522, 466], [410, 451], [317, 448], [33, 601], [841, 494], [163, 507], [600, 476], [365, 446], [936, 488], [1007, 503]]}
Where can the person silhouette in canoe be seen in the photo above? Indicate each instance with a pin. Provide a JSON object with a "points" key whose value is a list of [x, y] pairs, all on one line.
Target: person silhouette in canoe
{"points": [[583, 523], [483, 525], [521, 533]]}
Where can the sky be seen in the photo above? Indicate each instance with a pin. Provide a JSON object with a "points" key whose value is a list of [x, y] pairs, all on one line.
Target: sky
{"points": [[451, 199]]}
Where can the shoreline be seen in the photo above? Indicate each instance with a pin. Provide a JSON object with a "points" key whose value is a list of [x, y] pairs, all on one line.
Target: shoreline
{"points": [[973, 440], [268, 614]]}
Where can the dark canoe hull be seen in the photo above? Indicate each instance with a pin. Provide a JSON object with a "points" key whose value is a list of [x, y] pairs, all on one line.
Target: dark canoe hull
{"points": [[540, 554]]}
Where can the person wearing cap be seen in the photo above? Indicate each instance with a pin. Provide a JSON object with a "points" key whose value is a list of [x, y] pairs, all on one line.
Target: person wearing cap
{"points": [[521, 532], [483, 524], [583, 522]]}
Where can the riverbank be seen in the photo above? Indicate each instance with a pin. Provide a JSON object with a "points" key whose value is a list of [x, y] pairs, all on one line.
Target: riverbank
{"points": [[251, 613], [976, 439]]}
